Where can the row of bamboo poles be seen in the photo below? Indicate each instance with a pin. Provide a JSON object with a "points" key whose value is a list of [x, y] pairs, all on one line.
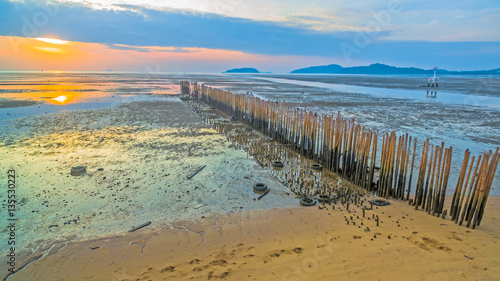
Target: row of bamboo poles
{"points": [[296, 174], [350, 150], [470, 208], [433, 178]]}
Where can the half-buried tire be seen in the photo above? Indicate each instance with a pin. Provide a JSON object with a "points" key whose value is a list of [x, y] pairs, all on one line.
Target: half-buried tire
{"points": [[78, 170], [259, 188], [324, 198], [278, 164], [317, 167], [380, 202], [307, 201]]}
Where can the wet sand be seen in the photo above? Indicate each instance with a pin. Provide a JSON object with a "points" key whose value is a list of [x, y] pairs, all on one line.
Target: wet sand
{"points": [[209, 227], [138, 157]]}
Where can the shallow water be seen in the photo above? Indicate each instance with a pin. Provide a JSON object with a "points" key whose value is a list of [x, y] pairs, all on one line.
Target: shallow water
{"points": [[61, 92], [431, 94]]}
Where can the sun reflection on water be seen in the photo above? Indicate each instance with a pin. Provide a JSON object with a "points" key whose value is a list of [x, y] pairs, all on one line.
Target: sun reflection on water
{"points": [[60, 99]]}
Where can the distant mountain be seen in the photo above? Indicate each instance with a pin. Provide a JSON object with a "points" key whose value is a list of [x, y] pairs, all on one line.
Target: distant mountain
{"points": [[378, 68], [332, 68], [242, 70]]}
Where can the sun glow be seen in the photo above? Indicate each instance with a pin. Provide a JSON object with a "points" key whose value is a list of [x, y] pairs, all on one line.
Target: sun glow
{"points": [[60, 99], [50, 50], [52, 40]]}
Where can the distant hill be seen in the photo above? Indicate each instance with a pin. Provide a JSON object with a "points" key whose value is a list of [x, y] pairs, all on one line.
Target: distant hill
{"points": [[378, 68], [242, 70]]}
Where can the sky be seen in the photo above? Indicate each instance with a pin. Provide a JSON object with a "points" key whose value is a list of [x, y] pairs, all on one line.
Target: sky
{"points": [[270, 35]]}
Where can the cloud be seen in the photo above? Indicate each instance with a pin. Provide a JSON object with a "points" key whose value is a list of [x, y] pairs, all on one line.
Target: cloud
{"points": [[34, 54], [146, 49], [162, 28]]}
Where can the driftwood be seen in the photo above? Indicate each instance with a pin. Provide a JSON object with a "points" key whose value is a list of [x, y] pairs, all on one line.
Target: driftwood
{"points": [[196, 172], [264, 194], [140, 226]]}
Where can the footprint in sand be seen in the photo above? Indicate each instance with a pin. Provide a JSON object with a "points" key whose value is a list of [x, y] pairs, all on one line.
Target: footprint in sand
{"points": [[429, 244], [221, 276], [168, 269], [456, 237], [276, 254], [298, 250], [195, 261], [219, 262], [201, 268]]}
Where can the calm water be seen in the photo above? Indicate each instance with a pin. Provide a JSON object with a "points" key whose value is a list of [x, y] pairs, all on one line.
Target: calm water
{"points": [[59, 92], [441, 95]]}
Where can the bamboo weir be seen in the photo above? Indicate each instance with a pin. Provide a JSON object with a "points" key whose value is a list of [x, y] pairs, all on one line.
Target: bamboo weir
{"points": [[350, 151]]}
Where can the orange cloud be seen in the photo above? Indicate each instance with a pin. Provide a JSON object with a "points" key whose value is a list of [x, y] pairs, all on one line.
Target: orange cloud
{"points": [[50, 50], [17, 53]]}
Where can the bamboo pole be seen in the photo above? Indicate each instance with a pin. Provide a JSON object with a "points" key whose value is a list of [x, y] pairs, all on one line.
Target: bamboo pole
{"points": [[459, 208], [421, 176], [490, 174], [440, 177], [374, 157], [430, 198], [458, 189], [445, 181], [424, 197], [477, 188], [411, 170]]}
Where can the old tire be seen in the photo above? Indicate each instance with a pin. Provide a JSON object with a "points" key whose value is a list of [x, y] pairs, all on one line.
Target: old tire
{"points": [[307, 201], [78, 170], [259, 187], [380, 202], [324, 198], [317, 167], [278, 164]]}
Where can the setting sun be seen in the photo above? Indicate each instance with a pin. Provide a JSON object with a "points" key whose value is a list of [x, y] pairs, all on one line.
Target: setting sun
{"points": [[52, 40]]}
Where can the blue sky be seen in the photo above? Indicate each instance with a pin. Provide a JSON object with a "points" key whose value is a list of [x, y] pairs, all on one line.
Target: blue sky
{"points": [[458, 35]]}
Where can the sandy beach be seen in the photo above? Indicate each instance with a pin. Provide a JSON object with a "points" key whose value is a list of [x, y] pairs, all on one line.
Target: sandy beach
{"points": [[287, 244]]}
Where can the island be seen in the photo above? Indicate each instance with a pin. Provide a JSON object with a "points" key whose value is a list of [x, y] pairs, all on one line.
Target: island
{"points": [[242, 70]]}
